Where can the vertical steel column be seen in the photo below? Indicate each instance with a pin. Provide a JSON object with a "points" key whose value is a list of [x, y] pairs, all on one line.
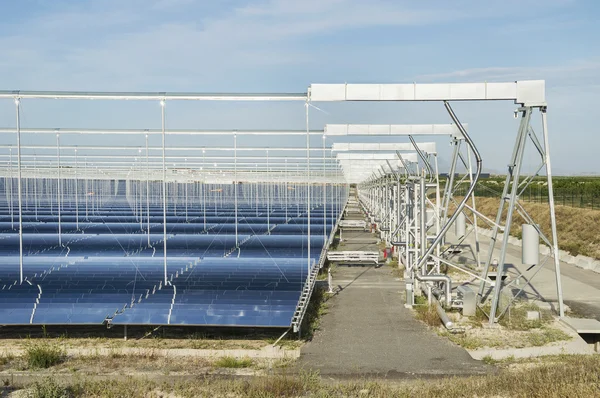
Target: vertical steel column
{"points": [[35, 195], [18, 106], [58, 193], [235, 187], [147, 191], [76, 194], [186, 192], [286, 192], [164, 189], [268, 198], [475, 222], [86, 190], [308, 183], [423, 223], [324, 196], [12, 216], [256, 188], [204, 187], [141, 192], [514, 174], [559, 292]]}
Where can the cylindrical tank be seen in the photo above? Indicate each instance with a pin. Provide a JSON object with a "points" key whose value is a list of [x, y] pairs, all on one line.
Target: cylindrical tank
{"points": [[429, 215], [531, 245], [460, 225]]}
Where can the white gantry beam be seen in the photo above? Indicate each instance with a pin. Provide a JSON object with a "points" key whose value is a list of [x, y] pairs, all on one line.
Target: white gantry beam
{"points": [[393, 129], [156, 96], [427, 147], [363, 157], [527, 92], [9, 130]]}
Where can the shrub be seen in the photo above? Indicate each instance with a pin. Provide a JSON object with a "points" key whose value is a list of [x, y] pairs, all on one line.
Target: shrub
{"points": [[43, 355], [233, 363], [428, 314], [49, 388]]}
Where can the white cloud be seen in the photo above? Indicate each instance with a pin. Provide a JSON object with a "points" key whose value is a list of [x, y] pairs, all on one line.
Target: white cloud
{"points": [[166, 42], [571, 73]]}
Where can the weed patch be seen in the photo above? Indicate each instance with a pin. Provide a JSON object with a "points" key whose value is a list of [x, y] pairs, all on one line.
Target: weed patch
{"points": [[49, 388], [317, 307], [427, 314], [565, 376], [546, 336], [233, 363], [43, 355]]}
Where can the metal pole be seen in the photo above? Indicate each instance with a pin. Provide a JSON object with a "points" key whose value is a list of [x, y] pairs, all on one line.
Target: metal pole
{"points": [[559, 291], [268, 198], [186, 193], [58, 193], [76, 195], [308, 185], [475, 220], [17, 103], [140, 192], [164, 188], [204, 188], [35, 195], [324, 197], [286, 192], [514, 174], [86, 191], [235, 188], [12, 216], [147, 191]]}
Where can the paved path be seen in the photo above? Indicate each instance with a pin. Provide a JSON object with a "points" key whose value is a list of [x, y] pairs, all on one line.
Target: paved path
{"points": [[367, 332]]}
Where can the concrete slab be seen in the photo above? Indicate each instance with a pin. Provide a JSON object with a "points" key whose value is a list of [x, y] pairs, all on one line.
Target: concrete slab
{"points": [[575, 346], [367, 332], [582, 325]]}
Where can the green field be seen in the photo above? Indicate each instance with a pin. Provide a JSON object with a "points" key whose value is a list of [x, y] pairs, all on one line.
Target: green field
{"points": [[568, 191]]}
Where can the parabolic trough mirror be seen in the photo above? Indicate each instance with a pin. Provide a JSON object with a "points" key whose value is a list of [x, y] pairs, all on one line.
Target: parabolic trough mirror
{"points": [[165, 226]]}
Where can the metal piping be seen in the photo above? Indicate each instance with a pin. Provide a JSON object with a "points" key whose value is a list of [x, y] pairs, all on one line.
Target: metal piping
{"points": [[442, 314], [439, 278], [463, 202], [423, 157]]}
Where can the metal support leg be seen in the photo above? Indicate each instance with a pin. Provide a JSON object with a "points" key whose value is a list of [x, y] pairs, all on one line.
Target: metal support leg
{"points": [[559, 293]]}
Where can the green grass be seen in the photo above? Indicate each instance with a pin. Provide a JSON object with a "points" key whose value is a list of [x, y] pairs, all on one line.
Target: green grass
{"points": [[488, 360], [545, 336], [427, 314], [43, 355], [516, 317], [468, 342], [233, 363], [317, 307]]}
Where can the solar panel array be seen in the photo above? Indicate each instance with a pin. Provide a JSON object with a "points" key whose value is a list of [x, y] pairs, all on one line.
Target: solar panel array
{"points": [[106, 264]]}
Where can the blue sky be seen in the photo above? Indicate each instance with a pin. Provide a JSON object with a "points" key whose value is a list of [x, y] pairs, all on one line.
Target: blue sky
{"points": [[285, 45]]}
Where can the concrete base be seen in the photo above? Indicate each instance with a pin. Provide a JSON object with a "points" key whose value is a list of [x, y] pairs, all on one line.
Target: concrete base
{"points": [[576, 345], [582, 325]]}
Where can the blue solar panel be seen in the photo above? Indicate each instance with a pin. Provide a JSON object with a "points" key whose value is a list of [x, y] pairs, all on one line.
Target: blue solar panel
{"points": [[107, 268]]}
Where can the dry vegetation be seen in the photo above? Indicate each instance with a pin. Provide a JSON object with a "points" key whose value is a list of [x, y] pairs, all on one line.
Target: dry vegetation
{"points": [[576, 227], [564, 376], [192, 341], [514, 330]]}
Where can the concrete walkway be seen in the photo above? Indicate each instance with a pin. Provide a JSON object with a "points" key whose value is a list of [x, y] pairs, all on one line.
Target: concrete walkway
{"points": [[367, 332]]}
